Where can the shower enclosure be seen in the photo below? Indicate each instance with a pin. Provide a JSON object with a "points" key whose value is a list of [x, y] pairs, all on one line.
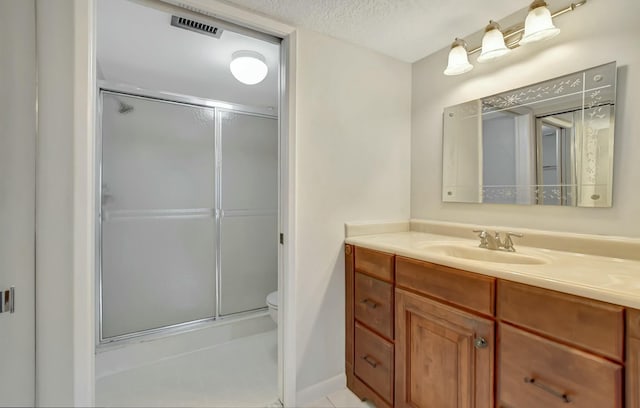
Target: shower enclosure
{"points": [[187, 217]]}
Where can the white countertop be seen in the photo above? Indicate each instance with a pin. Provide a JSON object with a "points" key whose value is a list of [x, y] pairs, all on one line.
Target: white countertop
{"points": [[603, 278]]}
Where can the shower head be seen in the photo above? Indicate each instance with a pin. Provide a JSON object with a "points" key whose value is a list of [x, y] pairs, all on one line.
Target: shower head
{"points": [[124, 108]]}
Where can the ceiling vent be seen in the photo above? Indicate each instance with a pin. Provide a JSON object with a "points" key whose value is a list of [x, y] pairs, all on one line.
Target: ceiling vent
{"points": [[196, 26]]}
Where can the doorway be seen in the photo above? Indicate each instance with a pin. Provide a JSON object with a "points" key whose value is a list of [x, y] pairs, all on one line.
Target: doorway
{"points": [[188, 213]]}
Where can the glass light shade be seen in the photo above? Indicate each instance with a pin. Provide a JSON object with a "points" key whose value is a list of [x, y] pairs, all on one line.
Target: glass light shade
{"points": [[458, 61], [538, 26], [248, 67], [493, 45]]}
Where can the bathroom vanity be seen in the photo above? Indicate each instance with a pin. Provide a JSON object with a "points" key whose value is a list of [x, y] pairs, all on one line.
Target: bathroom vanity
{"points": [[431, 321]]}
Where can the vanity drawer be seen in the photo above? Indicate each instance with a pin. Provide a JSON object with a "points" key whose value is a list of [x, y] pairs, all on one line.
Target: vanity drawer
{"points": [[374, 263], [535, 372], [589, 324], [374, 362], [466, 289], [374, 304], [633, 323]]}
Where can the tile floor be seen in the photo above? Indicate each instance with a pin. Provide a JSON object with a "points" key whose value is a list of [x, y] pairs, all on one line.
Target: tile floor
{"points": [[241, 373], [340, 399]]}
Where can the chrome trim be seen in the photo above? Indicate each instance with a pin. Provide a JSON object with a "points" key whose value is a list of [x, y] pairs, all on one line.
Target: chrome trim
{"points": [[249, 213], [98, 214], [157, 214], [218, 204], [184, 326], [172, 97]]}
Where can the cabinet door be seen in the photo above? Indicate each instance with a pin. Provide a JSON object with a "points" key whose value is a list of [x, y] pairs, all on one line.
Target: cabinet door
{"points": [[444, 356]]}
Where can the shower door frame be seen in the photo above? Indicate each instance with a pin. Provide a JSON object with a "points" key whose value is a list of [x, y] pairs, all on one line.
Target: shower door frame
{"points": [[189, 101], [83, 231]]}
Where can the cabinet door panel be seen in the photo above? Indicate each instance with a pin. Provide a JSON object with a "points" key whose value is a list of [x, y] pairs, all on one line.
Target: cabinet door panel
{"points": [[437, 361]]}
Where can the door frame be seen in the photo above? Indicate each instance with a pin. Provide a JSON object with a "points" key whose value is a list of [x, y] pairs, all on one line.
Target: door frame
{"points": [[84, 176]]}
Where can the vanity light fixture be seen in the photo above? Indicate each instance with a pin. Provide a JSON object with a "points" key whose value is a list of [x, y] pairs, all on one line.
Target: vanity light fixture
{"points": [[458, 59], [493, 45], [538, 26], [248, 67]]}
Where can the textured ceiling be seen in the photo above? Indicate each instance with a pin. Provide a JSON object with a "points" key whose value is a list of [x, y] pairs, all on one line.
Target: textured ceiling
{"points": [[405, 29], [138, 46]]}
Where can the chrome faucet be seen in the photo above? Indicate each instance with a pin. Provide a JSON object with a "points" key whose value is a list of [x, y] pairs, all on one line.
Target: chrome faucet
{"points": [[494, 241]]}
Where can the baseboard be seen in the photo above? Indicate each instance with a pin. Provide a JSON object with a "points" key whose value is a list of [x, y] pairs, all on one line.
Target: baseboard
{"points": [[322, 389]]}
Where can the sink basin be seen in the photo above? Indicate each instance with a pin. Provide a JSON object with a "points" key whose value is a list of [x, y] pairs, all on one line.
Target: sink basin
{"points": [[484, 255]]}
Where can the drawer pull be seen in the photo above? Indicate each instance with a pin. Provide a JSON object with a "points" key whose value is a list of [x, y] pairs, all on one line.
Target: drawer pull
{"points": [[373, 363], [370, 303], [547, 388]]}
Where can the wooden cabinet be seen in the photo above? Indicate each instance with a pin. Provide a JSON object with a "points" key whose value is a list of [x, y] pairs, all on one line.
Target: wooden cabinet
{"points": [[587, 324], [553, 357], [374, 362], [374, 304], [633, 359], [467, 290], [423, 335], [537, 372], [369, 324], [444, 356]]}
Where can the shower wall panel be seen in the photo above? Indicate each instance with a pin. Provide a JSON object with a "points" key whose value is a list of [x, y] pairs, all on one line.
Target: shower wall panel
{"points": [[249, 203], [158, 226]]}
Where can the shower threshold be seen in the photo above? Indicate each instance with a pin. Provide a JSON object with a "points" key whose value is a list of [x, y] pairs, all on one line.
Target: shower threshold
{"points": [[179, 328]]}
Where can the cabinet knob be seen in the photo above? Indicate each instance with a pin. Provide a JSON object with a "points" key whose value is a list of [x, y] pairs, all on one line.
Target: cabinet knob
{"points": [[480, 343]]}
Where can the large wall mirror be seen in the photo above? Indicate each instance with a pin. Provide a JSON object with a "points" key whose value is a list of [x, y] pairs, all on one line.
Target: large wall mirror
{"points": [[550, 143]]}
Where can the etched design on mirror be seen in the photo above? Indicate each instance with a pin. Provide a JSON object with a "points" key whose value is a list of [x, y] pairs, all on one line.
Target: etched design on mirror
{"points": [[549, 143], [507, 193], [534, 94], [598, 126]]}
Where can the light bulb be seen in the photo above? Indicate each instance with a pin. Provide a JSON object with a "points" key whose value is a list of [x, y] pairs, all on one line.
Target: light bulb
{"points": [[248, 67]]}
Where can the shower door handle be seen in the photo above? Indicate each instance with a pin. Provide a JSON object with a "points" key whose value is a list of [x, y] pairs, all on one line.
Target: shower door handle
{"points": [[7, 300]]}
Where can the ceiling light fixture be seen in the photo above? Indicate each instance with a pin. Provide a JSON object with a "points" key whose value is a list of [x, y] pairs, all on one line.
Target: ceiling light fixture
{"points": [[538, 26], [248, 67], [458, 59], [493, 45]]}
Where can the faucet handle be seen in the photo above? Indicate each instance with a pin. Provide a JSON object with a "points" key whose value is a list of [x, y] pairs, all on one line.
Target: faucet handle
{"points": [[482, 234], [508, 243]]}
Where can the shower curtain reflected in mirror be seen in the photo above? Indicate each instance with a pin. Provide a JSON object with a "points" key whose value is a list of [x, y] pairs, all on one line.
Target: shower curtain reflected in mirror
{"points": [[188, 216]]}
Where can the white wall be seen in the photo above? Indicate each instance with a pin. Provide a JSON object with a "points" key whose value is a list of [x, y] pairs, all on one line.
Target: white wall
{"points": [[352, 155], [599, 32], [54, 204], [17, 200]]}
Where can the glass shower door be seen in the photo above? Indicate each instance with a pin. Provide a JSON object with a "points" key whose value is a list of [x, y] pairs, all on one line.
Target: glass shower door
{"points": [[248, 199], [157, 214]]}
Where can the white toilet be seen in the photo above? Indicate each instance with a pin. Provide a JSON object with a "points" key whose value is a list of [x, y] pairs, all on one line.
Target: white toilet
{"points": [[272, 304]]}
